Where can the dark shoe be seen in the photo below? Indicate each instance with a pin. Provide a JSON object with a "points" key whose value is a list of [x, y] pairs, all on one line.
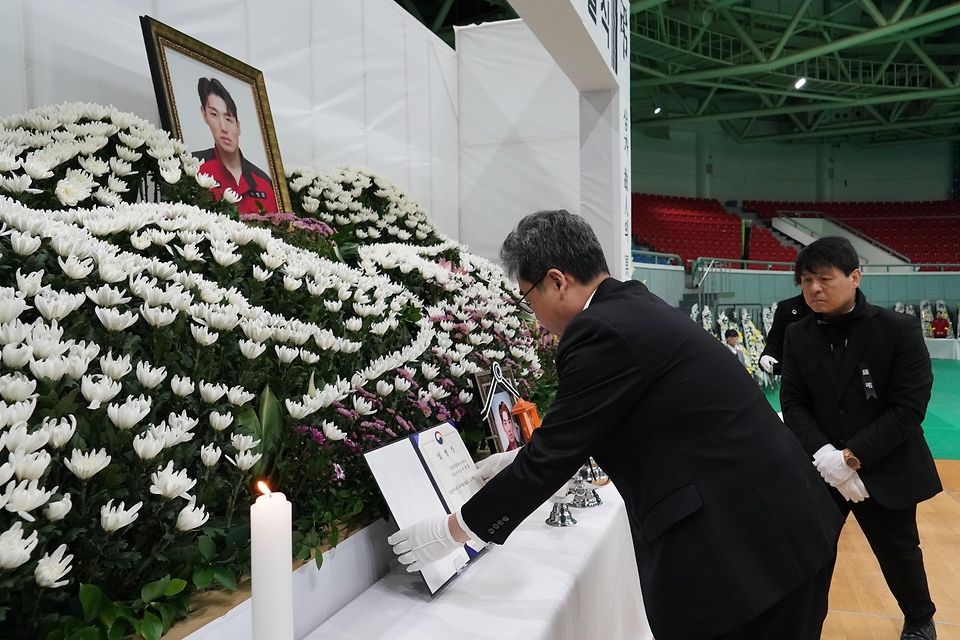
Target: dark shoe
{"points": [[923, 631]]}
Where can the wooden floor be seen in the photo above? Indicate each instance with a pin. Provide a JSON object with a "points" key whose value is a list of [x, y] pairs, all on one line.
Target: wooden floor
{"points": [[861, 607]]}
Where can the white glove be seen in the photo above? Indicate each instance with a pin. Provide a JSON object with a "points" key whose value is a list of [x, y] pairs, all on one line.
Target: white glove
{"points": [[424, 543], [853, 489], [494, 464], [767, 362], [831, 465]]}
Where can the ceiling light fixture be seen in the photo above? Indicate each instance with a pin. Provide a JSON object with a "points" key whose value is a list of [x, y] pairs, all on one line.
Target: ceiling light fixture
{"points": [[799, 84], [657, 110]]}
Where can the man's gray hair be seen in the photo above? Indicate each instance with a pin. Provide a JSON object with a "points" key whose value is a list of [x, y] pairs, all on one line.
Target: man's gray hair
{"points": [[553, 240]]}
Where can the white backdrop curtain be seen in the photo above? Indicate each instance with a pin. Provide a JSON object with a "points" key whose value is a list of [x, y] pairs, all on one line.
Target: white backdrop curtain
{"points": [[349, 81], [519, 133]]}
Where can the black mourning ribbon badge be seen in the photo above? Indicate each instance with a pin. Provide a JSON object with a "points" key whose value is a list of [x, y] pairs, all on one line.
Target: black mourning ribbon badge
{"points": [[867, 379]]}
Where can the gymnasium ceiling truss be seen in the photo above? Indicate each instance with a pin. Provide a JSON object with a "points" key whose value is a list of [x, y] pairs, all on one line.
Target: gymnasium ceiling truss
{"points": [[440, 16], [873, 74], [876, 72]]}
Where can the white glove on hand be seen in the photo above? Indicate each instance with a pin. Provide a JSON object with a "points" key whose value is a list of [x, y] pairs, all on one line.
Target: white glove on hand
{"points": [[424, 543], [853, 489], [830, 464], [767, 362], [494, 464]]}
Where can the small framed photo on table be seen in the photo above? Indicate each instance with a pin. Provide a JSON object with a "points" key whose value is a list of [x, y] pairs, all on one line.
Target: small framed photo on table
{"points": [[218, 106], [505, 433]]}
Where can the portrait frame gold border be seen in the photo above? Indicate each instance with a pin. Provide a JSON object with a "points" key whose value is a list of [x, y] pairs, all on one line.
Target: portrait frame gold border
{"points": [[158, 37]]}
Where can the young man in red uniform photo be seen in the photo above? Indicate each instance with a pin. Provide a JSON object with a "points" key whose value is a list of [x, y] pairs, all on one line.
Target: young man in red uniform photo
{"points": [[224, 162]]}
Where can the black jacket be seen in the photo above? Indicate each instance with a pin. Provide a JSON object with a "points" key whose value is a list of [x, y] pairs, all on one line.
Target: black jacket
{"points": [[788, 311], [823, 404], [727, 513]]}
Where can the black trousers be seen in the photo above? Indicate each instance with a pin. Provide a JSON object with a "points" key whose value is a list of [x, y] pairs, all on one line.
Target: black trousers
{"points": [[893, 536], [798, 616]]}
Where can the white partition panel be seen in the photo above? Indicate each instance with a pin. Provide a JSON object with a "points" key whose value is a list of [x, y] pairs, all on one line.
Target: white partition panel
{"points": [[350, 81], [519, 133]]}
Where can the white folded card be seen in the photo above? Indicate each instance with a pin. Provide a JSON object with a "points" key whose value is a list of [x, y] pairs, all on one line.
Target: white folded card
{"points": [[425, 475]]}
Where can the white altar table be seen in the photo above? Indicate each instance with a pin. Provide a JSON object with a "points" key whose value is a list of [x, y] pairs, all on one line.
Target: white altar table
{"points": [[943, 348], [544, 583]]}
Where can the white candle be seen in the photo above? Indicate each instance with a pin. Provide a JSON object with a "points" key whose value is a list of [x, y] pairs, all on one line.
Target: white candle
{"points": [[271, 577]]}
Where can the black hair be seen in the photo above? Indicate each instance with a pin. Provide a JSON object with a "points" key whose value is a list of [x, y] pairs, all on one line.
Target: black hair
{"points": [[207, 86], [731, 333], [825, 254], [553, 240]]}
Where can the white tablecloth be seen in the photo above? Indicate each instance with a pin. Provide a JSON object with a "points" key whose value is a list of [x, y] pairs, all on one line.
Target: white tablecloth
{"points": [[943, 348], [545, 583]]}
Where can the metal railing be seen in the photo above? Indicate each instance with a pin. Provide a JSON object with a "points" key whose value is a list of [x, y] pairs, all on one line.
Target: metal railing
{"points": [[707, 264], [655, 257], [859, 234]]}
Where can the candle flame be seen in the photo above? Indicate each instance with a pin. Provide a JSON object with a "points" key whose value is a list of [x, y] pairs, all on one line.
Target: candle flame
{"points": [[264, 489]]}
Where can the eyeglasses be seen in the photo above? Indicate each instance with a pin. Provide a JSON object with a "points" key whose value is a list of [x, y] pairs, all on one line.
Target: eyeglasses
{"points": [[522, 303]]}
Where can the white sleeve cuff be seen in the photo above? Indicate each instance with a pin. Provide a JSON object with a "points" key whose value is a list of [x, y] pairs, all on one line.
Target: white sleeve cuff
{"points": [[466, 529]]}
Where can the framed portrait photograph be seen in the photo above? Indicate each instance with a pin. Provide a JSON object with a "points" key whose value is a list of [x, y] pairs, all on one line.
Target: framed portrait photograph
{"points": [[505, 433], [218, 106]]}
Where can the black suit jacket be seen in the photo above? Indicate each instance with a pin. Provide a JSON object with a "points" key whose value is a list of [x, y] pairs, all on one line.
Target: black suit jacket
{"points": [[822, 404], [727, 513], [788, 311]]}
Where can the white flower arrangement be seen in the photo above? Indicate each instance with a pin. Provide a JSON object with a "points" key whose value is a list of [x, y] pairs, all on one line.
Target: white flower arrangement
{"points": [[142, 340]]}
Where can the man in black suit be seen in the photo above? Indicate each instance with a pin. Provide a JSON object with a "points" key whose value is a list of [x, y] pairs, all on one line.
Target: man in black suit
{"points": [[856, 382], [788, 311], [733, 530]]}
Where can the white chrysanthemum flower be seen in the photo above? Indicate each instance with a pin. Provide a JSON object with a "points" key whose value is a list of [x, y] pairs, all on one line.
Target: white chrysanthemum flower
{"points": [[231, 196], [87, 465], [98, 389], [16, 387], [286, 355], [57, 511], [149, 444], [220, 421], [181, 386], [114, 320], [15, 550], [115, 368], [251, 349], [203, 336], [125, 416], [206, 181], [331, 432], [243, 442], [24, 244], [113, 518], [401, 384], [29, 466], [51, 569], [148, 376], [211, 393], [210, 455], [363, 406], [59, 432], [239, 396], [171, 484], [158, 316], [29, 285], [245, 460], [191, 516], [22, 498], [107, 296]]}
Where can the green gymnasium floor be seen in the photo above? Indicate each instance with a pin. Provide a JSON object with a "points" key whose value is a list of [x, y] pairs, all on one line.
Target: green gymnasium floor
{"points": [[942, 424]]}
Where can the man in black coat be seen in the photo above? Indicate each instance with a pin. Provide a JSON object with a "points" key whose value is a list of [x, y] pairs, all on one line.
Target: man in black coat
{"points": [[788, 311], [855, 387], [733, 530]]}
